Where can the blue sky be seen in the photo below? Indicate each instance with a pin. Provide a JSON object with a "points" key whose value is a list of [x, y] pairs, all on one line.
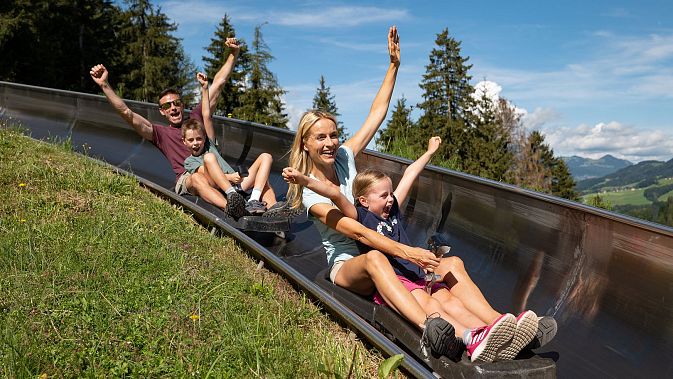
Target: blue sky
{"points": [[595, 77]]}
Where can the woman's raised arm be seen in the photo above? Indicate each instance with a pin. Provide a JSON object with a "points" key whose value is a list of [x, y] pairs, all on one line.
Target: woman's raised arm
{"points": [[377, 113]]}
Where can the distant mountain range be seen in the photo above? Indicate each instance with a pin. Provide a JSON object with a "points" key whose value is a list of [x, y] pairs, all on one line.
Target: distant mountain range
{"points": [[587, 168], [641, 175]]}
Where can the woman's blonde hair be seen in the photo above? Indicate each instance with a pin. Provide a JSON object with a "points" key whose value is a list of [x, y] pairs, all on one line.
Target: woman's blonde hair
{"points": [[299, 158], [364, 181]]}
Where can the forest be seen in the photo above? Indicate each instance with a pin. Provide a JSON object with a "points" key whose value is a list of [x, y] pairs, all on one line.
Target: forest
{"points": [[137, 42]]}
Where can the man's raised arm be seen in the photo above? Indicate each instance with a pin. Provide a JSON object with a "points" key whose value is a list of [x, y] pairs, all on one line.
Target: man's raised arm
{"points": [[142, 126]]}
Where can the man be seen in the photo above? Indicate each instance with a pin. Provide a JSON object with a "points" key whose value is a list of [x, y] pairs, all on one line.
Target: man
{"points": [[168, 139]]}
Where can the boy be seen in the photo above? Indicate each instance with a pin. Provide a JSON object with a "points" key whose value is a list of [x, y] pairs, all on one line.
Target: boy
{"points": [[206, 160]]}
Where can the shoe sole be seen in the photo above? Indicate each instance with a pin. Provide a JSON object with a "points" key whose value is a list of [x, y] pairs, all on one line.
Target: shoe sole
{"points": [[546, 331], [285, 212], [500, 334], [526, 327], [236, 206]]}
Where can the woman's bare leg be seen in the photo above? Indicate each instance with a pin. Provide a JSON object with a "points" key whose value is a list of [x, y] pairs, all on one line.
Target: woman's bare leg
{"points": [[431, 305], [364, 273], [455, 309]]}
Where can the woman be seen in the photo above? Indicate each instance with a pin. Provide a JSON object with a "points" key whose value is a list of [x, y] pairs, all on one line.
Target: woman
{"points": [[316, 152]]}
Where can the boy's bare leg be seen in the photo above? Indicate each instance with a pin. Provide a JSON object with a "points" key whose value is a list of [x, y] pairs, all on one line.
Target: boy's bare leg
{"points": [[215, 172], [258, 177], [198, 185]]}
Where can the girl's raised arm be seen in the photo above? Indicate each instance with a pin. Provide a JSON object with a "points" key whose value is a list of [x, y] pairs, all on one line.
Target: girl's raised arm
{"points": [[377, 113], [414, 169]]}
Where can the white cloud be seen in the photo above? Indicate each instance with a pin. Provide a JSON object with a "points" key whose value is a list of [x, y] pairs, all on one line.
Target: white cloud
{"points": [[336, 17], [613, 138], [194, 12], [622, 70], [539, 117]]}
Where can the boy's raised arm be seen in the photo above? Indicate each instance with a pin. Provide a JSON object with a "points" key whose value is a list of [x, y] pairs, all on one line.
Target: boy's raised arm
{"points": [[205, 106], [142, 126], [414, 169]]}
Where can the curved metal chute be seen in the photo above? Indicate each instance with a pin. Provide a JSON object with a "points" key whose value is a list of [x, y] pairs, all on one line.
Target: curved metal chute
{"points": [[606, 278]]}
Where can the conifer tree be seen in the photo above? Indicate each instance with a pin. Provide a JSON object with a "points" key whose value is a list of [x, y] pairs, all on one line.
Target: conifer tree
{"points": [[446, 100], [53, 43], [154, 58], [396, 136], [324, 100], [261, 100], [557, 178], [488, 154], [218, 53]]}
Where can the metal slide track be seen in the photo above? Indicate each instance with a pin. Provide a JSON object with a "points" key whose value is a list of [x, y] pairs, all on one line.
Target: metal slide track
{"points": [[606, 278]]}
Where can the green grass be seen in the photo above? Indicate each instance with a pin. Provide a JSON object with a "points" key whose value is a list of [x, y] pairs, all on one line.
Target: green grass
{"points": [[100, 278]]}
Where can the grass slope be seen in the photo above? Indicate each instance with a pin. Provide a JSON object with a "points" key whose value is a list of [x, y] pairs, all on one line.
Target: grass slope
{"points": [[100, 278]]}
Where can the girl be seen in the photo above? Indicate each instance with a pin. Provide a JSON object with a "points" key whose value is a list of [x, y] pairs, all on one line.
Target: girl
{"points": [[316, 151]]}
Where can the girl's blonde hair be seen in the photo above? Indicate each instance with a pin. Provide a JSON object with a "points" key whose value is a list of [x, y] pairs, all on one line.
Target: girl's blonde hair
{"points": [[364, 181], [299, 158]]}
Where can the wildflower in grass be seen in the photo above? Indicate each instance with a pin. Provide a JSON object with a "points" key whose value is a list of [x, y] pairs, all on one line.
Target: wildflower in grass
{"points": [[43, 376], [22, 184], [195, 317], [22, 220]]}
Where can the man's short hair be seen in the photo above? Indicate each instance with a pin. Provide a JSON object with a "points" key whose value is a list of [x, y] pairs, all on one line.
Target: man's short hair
{"points": [[166, 92]]}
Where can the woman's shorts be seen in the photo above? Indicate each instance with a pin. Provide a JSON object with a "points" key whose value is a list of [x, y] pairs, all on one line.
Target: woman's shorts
{"points": [[335, 270]]}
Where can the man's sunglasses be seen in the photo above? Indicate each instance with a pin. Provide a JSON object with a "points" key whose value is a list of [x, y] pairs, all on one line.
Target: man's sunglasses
{"points": [[167, 105]]}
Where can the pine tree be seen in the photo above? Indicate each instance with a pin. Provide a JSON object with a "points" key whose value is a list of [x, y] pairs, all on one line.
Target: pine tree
{"points": [[556, 176], [395, 137], [446, 100], [154, 58], [218, 54], [599, 202], [324, 100], [53, 43], [261, 100], [488, 154]]}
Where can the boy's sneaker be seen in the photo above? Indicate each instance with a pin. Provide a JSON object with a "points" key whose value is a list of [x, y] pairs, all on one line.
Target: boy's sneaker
{"points": [[255, 207], [546, 331], [485, 341], [439, 338], [526, 327], [235, 206], [282, 209]]}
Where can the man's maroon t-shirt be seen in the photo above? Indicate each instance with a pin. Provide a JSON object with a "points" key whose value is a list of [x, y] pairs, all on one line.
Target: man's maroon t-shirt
{"points": [[168, 140]]}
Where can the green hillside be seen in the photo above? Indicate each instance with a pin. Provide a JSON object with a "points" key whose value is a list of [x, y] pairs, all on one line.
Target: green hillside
{"points": [[635, 196], [641, 175]]}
